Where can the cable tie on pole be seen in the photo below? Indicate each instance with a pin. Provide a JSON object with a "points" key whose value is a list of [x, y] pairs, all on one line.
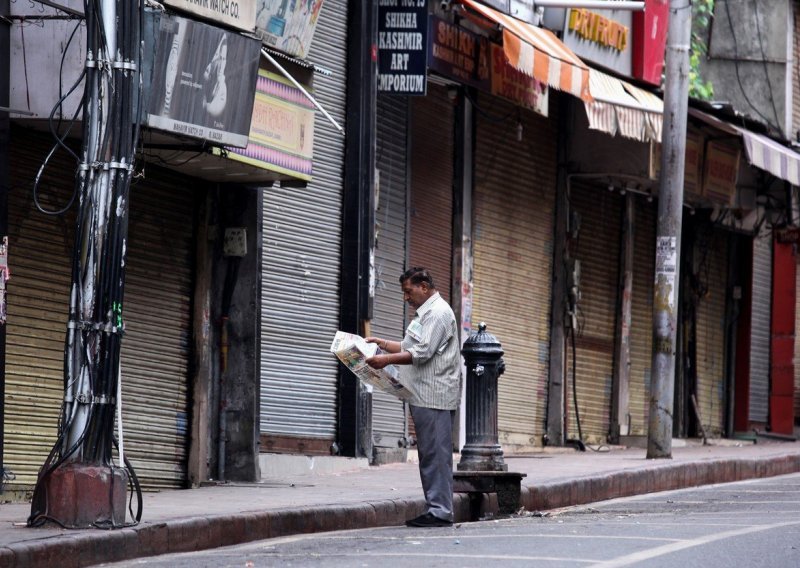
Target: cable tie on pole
{"points": [[129, 65]]}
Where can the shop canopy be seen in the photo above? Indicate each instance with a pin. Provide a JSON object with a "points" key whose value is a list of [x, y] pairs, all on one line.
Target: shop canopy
{"points": [[621, 108], [537, 52], [762, 152]]}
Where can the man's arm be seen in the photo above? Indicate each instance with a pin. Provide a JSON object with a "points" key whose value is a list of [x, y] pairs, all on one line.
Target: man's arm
{"points": [[381, 361], [385, 344]]}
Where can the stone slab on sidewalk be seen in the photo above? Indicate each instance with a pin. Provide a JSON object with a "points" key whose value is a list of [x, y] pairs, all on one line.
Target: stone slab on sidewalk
{"points": [[210, 517]]}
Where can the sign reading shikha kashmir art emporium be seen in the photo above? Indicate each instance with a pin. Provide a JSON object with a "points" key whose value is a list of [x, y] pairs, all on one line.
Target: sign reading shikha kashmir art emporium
{"points": [[402, 46], [203, 80]]}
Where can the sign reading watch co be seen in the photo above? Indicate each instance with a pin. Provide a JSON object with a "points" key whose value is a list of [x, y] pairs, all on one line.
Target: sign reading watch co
{"points": [[402, 46]]}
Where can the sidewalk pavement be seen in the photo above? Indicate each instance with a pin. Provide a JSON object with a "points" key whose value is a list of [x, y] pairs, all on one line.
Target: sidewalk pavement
{"points": [[232, 513]]}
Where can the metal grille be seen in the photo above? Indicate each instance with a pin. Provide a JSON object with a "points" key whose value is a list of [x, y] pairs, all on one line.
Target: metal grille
{"points": [[388, 413], [513, 234], [641, 333], [301, 262], [597, 249], [760, 326]]}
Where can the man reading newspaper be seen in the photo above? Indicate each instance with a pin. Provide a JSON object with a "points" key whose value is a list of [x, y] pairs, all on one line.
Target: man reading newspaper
{"points": [[430, 360]]}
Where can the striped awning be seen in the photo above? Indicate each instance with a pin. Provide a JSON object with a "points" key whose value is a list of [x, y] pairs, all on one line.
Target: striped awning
{"points": [[537, 52], [621, 108], [761, 151]]}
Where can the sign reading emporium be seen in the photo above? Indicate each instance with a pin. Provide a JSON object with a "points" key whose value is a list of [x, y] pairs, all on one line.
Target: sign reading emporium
{"points": [[402, 46]]}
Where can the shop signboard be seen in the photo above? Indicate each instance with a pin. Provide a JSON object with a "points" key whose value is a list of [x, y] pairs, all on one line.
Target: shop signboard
{"points": [[600, 36], [693, 162], [459, 54], [649, 40], [239, 14], [203, 80], [288, 25], [720, 171], [510, 83], [281, 130], [402, 46]]}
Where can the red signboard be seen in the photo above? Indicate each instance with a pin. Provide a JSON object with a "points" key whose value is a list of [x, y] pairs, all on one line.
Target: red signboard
{"points": [[649, 40]]}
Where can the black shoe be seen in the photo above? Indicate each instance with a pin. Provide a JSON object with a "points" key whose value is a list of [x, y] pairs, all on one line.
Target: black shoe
{"points": [[428, 520]]}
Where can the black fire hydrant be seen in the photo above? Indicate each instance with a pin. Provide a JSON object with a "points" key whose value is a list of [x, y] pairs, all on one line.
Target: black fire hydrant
{"points": [[482, 470], [483, 357]]}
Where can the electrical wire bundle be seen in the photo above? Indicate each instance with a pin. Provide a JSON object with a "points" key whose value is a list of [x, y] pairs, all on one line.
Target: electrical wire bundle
{"points": [[111, 118]]}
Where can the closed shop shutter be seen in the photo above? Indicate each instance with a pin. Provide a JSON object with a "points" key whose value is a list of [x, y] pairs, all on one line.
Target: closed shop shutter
{"points": [[38, 301], [644, 248], [597, 248], [300, 270], [760, 326], [156, 345], [797, 344], [430, 215], [514, 202], [711, 266], [431, 205], [388, 413]]}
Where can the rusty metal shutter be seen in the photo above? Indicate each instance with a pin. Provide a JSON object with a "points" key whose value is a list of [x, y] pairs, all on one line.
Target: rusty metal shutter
{"points": [[157, 312], [760, 326], [431, 203], [797, 341], [430, 206], [38, 301], [301, 260], [598, 249], [711, 265], [644, 247], [514, 202], [388, 413], [155, 349]]}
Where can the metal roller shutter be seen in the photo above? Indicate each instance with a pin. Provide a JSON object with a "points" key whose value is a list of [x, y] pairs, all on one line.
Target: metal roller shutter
{"points": [[430, 215], [797, 344], [388, 413], [514, 201], [431, 204], [155, 348], [157, 343], [711, 253], [300, 265], [597, 249], [641, 333], [38, 301], [760, 326]]}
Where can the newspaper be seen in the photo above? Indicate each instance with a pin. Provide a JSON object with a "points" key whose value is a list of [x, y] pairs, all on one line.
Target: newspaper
{"points": [[353, 351]]}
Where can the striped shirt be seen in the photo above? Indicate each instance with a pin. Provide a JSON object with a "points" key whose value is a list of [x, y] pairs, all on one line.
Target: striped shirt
{"points": [[435, 370]]}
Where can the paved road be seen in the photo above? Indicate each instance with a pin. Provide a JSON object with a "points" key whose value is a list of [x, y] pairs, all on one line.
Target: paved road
{"points": [[745, 524]]}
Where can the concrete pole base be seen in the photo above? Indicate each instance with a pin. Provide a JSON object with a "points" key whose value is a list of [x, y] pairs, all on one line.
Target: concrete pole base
{"points": [[83, 496]]}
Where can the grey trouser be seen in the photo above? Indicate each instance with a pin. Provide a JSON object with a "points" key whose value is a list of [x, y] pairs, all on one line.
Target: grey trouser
{"points": [[435, 447]]}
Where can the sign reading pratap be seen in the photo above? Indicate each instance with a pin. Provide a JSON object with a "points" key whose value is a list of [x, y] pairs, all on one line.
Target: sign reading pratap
{"points": [[240, 14], [600, 36], [203, 80], [402, 46], [720, 172]]}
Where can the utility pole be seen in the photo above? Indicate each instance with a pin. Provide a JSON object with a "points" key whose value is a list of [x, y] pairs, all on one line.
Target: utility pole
{"points": [[79, 486], [668, 235]]}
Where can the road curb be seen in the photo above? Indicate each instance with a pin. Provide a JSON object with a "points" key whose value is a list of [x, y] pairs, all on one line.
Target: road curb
{"points": [[212, 531]]}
